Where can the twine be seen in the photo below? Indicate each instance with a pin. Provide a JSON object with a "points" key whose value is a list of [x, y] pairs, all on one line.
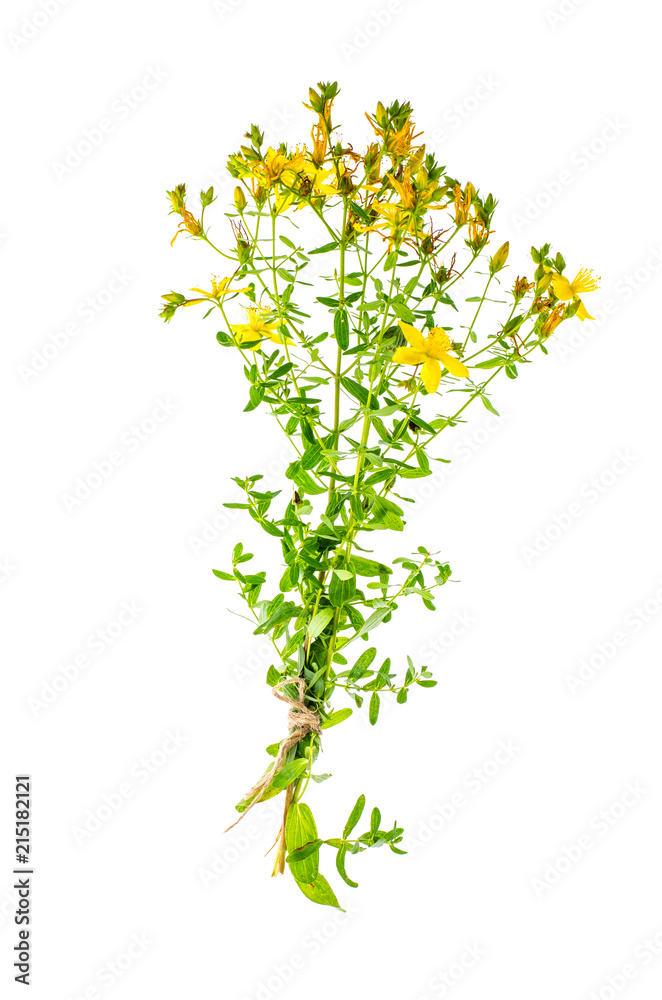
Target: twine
{"points": [[301, 721]]}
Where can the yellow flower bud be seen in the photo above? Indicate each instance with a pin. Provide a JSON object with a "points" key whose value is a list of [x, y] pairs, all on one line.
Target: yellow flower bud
{"points": [[499, 258], [177, 198], [544, 282], [417, 159], [239, 199]]}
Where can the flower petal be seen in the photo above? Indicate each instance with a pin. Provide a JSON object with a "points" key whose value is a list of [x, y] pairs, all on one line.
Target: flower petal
{"points": [[437, 343], [431, 374], [408, 356], [455, 366], [248, 338], [562, 287], [583, 313], [230, 291], [277, 339], [414, 337]]}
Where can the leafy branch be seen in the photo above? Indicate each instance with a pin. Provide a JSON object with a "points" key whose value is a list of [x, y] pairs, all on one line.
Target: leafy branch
{"points": [[352, 365]]}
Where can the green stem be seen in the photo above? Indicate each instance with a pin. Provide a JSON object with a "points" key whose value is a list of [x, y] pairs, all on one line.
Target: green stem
{"points": [[480, 306]]}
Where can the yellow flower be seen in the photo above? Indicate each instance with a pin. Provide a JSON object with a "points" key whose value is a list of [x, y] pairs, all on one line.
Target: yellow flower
{"points": [[188, 224], [273, 167], [400, 143], [394, 219], [429, 351], [584, 281], [320, 139], [405, 189], [282, 201], [553, 319], [462, 202], [255, 330], [322, 181], [219, 288], [406, 216]]}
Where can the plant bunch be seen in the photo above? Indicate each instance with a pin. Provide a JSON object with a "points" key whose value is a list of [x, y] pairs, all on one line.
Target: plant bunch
{"points": [[344, 300]]}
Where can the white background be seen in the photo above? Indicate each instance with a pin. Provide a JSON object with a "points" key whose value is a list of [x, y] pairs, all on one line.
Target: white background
{"points": [[515, 95]]}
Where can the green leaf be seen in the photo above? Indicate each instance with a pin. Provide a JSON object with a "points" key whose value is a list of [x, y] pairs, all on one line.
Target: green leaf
{"points": [[272, 789], [375, 820], [303, 480], [341, 590], [289, 773], [304, 852], [223, 576], [362, 664], [386, 515], [408, 472], [403, 312], [311, 456], [375, 618], [325, 249], [320, 892], [269, 527], [341, 329], [273, 676], [283, 369], [492, 363], [336, 717], [268, 794], [409, 676], [359, 392], [319, 622], [368, 567], [514, 324], [319, 778], [382, 503], [301, 831], [255, 398], [343, 574], [340, 865], [373, 710], [488, 406], [354, 816], [281, 614]]}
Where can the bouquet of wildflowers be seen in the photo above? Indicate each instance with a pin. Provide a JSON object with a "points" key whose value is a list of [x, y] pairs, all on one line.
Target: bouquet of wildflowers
{"points": [[363, 367]]}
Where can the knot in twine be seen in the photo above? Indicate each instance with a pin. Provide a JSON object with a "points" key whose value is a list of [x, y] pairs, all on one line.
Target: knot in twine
{"points": [[301, 721]]}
